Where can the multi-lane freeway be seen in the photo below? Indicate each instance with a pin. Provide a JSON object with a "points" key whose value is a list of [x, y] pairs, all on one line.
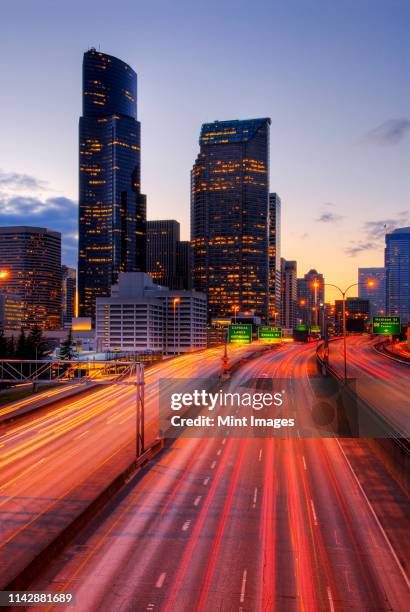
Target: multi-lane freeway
{"points": [[55, 460], [247, 524], [384, 383]]}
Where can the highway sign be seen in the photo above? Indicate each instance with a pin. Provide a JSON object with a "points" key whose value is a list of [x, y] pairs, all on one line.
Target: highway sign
{"points": [[269, 334], [240, 333], [386, 325], [315, 329], [301, 327]]}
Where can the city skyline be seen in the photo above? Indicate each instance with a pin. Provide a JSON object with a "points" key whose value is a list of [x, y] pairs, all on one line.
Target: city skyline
{"points": [[336, 138]]}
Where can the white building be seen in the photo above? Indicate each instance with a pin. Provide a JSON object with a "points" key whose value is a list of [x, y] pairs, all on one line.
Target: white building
{"points": [[140, 316]]}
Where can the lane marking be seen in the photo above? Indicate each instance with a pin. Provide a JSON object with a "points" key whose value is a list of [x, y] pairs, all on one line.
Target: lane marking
{"points": [[186, 525], [330, 598], [304, 463], [206, 481], [82, 434], [160, 580], [243, 587], [219, 452], [260, 455], [313, 512], [224, 441], [197, 500], [213, 464], [255, 496], [384, 534]]}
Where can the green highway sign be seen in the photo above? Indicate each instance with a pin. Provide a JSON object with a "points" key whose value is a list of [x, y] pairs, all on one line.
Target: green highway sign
{"points": [[386, 325], [301, 327], [269, 334], [315, 329], [240, 333]]}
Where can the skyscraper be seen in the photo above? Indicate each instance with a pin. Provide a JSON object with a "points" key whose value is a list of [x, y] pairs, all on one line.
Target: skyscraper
{"points": [[184, 267], [375, 294], [310, 294], [230, 215], [111, 206], [31, 261], [397, 264], [274, 258], [289, 292], [69, 281], [162, 240]]}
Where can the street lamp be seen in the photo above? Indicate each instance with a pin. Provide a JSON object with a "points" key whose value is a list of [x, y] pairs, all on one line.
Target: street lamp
{"points": [[175, 302], [316, 286], [369, 283], [235, 311], [4, 274]]}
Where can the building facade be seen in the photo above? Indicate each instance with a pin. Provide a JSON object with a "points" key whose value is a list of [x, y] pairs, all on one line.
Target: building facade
{"points": [[141, 315], [184, 265], [397, 265], [31, 260], [309, 297], [375, 294], [112, 210], [162, 240], [357, 314], [230, 216], [11, 313], [274, 258], [289, 293], [68, 294]]}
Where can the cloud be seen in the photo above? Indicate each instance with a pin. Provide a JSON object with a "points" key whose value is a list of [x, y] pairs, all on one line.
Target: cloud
{"points": [[57, 213], [390, 132], [14, 181], [374, 232], [329, 217]]}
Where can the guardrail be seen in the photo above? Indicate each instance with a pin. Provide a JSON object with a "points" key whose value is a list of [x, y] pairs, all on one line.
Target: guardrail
{"points": [[381, 349]]}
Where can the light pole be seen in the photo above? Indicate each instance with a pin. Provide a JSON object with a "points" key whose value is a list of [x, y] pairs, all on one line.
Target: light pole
{"points": [[369, 283], [175, 302], [235, 311], [315, 286]]}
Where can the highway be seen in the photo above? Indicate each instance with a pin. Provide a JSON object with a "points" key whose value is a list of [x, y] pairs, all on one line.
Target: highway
{"points": [[55, 460], [226, 523], [384, 383]]}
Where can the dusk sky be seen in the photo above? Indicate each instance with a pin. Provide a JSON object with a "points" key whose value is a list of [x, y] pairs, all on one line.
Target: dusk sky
{"points": [[332, 75]]}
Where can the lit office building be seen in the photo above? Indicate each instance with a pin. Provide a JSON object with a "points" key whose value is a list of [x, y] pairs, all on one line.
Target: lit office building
{"points": [[310, 294], [357, 314], [31, 262], [69, 283], [112, 209], [141, 315], [230, 216], [289, 293], [11, 312], [274, 258], [184, 265], [397, 265], [376, 294]]}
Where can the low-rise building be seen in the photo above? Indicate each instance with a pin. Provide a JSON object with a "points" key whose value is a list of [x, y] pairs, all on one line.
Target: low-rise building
{"points": [[141, 315]]}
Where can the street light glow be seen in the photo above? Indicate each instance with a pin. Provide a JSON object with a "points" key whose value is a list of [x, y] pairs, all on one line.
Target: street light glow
{"points": [[3, 274]]}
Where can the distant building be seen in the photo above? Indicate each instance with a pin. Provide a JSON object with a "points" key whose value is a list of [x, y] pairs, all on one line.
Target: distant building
{"points": [[31, 260], [112, 210], [69, 283], [11, 312], [397, 265], [274, 258], [310, 297], [141, 315], [357, 314], [184, 265], [375, 294], [230, 216], [289, 293]]}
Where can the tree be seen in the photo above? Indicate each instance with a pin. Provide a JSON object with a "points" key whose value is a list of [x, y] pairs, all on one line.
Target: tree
{"points": [[21, 348], [66, 349], [4, 346], [37, 347]]}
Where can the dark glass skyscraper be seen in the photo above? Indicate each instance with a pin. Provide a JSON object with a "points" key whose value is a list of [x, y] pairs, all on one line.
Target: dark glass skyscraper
{"points": [[397, 264], [229, 216], [274, 258], [111, 207]]}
